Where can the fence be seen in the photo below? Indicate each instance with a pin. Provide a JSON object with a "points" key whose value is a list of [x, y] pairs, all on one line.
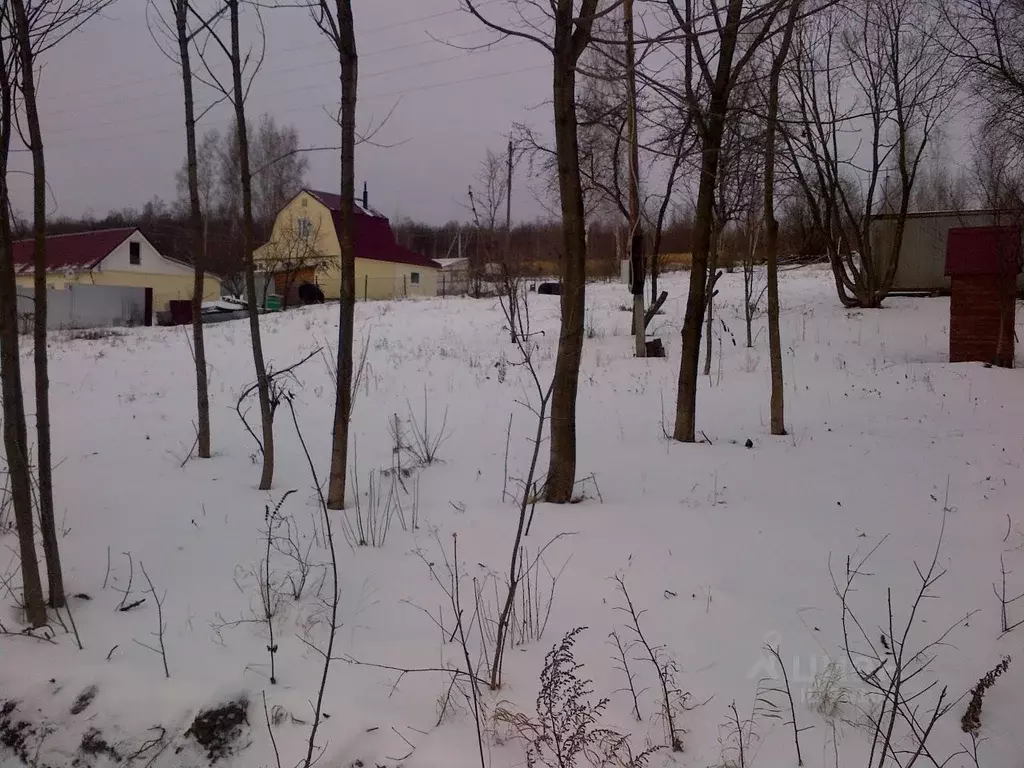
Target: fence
{"points": [[453, 282], [87, 306]]}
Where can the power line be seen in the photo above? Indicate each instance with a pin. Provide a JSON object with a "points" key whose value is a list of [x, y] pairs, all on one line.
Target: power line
{"points": [[175, 92], [165, 114], [290, 49], [77, 141]]}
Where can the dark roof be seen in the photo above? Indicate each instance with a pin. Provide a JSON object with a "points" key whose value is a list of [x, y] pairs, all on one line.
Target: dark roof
{"points": [[375, 240], [333, 202], [963, 214], [374, 237], [78, 251]]}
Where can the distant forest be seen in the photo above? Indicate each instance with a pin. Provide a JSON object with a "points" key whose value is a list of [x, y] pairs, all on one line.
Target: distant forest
{"points": [[280, 172]]}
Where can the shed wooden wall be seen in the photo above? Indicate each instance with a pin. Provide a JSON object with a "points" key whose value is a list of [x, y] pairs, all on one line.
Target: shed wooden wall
{"points": [[981, 320]]}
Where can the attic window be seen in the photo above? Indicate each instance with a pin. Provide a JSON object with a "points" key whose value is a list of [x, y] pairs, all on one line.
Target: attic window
{"points": [[134, 253], [304, 228], [414, 278]]}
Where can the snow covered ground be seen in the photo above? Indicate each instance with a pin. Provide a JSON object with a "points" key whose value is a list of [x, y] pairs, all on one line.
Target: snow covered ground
{"points": [[725, 548]]}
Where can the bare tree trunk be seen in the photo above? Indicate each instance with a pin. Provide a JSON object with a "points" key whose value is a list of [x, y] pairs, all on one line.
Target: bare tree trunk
{"points": [[507, 250], [198, 243], [570, 37], [47, 523], [15, 429], [686, 403], [748, 292], [778, 421], [636, 237], [712, 131], [348, 59], [659, 227], [655, 268], [710, 293], [562, 461], [262, 380]]}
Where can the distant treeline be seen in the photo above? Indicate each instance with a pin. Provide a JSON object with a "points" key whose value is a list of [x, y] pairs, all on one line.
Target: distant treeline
{"points": [[533, 247]]}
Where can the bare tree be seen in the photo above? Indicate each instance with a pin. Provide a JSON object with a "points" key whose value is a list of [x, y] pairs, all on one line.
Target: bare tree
{"points": [[279, 167], [720, 39], [336, 23], [988, 39], [940, 187], [882, 66], [754, 289], [291, 253], [490, 192], [771, 224], [236, 93], [208, 147], [177, 29], [39, 25], [615, 119], [679, 143], [486, 201], [565, 35], [738, 171], [278, 172], [998, 177], [15, 429]]}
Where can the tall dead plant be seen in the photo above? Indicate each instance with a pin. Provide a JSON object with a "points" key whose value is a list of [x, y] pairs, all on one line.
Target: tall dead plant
{"points": [[279, 386], [893, 667], [566, 731], [515, 305], [332, 602], [674, 701]]}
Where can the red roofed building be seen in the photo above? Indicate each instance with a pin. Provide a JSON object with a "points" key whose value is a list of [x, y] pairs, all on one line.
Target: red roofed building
{"points": [[111, 257], [305, 248]]}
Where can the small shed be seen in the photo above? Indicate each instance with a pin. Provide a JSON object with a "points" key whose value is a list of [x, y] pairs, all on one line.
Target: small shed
{"points": [[454, 277], [982, 264], [922, 255]]}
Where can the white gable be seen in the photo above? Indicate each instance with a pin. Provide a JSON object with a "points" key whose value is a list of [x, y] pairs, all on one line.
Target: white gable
{"points": [[150, 260]]}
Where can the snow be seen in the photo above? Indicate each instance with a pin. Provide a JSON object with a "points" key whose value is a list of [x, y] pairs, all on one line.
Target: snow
{"points": [[725, 548]]}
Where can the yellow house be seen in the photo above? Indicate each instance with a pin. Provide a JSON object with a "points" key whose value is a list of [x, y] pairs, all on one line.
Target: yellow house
{"points": [[304, 248], [112, 257]]}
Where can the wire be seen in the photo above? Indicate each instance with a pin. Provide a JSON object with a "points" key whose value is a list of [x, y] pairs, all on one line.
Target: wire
{"points": [[165, 114], [300, 47], [78, 141], [263, 76]]}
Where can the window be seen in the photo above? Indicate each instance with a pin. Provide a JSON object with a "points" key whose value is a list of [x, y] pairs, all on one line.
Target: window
{"points": [[414, 278], [134, 253], [304, 228]]}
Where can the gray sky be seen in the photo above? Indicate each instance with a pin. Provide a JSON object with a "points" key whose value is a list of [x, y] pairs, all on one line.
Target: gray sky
{"points": [[113, 118]]}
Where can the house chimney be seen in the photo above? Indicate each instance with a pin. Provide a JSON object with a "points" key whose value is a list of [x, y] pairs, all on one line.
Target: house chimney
{"points": [[366, 198]]}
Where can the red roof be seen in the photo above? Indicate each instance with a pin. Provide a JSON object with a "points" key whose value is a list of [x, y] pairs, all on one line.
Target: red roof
{"points": [[375, 240], [78, 251], [333, 202], [374, 237], [983, 251]]}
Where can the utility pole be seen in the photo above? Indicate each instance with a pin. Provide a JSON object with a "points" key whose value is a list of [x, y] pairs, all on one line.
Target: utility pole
{"points": [[513, 300], [636, 240], [508, 206]]}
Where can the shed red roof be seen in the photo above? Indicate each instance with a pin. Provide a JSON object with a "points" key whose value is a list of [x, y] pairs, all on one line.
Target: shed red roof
{"points": [[374, 237], [78, 251]]}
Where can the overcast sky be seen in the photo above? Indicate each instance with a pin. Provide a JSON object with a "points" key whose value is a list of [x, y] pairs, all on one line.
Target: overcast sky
{"points": [[113, 118]]}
